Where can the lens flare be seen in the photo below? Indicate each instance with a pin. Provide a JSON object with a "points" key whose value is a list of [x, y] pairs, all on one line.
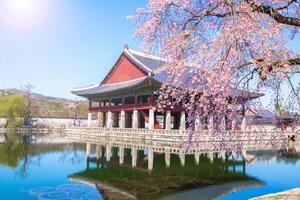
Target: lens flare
{"points": [[23, 12]]}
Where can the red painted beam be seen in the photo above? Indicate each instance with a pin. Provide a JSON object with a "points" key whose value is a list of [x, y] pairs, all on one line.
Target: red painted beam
{"points": [[175, 109], [123, 107]]}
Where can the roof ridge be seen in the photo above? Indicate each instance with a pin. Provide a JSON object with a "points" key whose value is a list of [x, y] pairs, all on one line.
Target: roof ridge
{"points": [[134, 59], [144, 54], [250, 90]]}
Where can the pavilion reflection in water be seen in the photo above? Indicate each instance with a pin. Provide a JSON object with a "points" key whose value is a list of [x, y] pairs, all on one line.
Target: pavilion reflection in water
{"points": [[105, 153], [129, 172]]}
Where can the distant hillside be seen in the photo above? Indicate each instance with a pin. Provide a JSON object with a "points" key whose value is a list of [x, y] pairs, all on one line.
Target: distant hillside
{"points": [[47, 106]]}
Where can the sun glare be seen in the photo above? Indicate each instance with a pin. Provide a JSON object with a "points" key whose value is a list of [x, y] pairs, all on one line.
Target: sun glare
{"points": [[23, 12]]}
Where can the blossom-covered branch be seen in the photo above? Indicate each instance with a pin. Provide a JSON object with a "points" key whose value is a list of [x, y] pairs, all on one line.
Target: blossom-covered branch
{"points": [[213, 46]]}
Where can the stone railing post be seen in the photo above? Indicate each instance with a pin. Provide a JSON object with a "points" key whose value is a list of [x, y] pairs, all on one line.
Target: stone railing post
{"points": [[151, 118], [182, 121], [89, 120], [168, 119]]}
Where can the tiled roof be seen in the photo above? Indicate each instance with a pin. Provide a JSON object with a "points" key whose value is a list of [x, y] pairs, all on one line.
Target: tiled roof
{"points": [[148, 63], [97, 89], [265, 113], [246, 93]]}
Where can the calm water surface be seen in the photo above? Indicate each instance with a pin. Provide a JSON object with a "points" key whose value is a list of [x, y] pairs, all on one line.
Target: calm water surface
{"points": [[41, 172], [278, 174]]}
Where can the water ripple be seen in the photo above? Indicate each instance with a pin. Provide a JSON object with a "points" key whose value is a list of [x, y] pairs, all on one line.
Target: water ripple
{"points": [[66, 192]]}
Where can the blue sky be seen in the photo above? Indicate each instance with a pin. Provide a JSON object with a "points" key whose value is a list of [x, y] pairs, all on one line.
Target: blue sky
{"points": [[74, 44]]}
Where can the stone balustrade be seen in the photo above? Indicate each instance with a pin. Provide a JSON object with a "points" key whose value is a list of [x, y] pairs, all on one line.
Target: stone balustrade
{"points": [[177, 140]]}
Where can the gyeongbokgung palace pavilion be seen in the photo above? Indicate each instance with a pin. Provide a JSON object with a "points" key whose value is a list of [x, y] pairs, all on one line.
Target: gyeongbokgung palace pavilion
{"points": [[126, 98]]}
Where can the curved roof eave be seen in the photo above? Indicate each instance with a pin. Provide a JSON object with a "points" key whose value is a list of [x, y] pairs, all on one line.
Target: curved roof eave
{"points": [[108, 88]]}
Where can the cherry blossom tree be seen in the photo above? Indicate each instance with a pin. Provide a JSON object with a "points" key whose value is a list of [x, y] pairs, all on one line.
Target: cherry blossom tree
{"points": [[213, 46]]}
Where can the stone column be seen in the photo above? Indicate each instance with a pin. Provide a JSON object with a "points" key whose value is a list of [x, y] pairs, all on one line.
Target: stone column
{"points": [[100, 119], [211, 157], [113, 117], [182, 121], [168, 159], [197, 158], [182, 159], [106, 120], [121, 155], [108, 152], [134, 157], [244, 124], [88, 149], [98, 151], [150, 159], [244, 153], [135, 119], [151, 118], [168, 119], [233, 154], [210, 125], [223, 155], [122, 122], [109, 119], [89, 120], [233, 124]]}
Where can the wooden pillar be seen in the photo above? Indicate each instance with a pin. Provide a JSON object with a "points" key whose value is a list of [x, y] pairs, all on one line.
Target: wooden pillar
{"points": [[151, 118], [122, 121], [89, 120], [168, 119], [135, 119], [182, 121], [100, 119]]}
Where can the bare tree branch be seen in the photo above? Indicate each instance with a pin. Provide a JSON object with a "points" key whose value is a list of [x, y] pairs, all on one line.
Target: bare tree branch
{"points": [[275, 14], [294, 90]]}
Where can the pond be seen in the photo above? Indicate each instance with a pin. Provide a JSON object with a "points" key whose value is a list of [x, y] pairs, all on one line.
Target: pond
{"points": [[61, 171]]}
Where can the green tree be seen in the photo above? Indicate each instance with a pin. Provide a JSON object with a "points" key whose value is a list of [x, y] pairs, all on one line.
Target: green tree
{"points": [[81, 110], [12, 108], [280, 109]]}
